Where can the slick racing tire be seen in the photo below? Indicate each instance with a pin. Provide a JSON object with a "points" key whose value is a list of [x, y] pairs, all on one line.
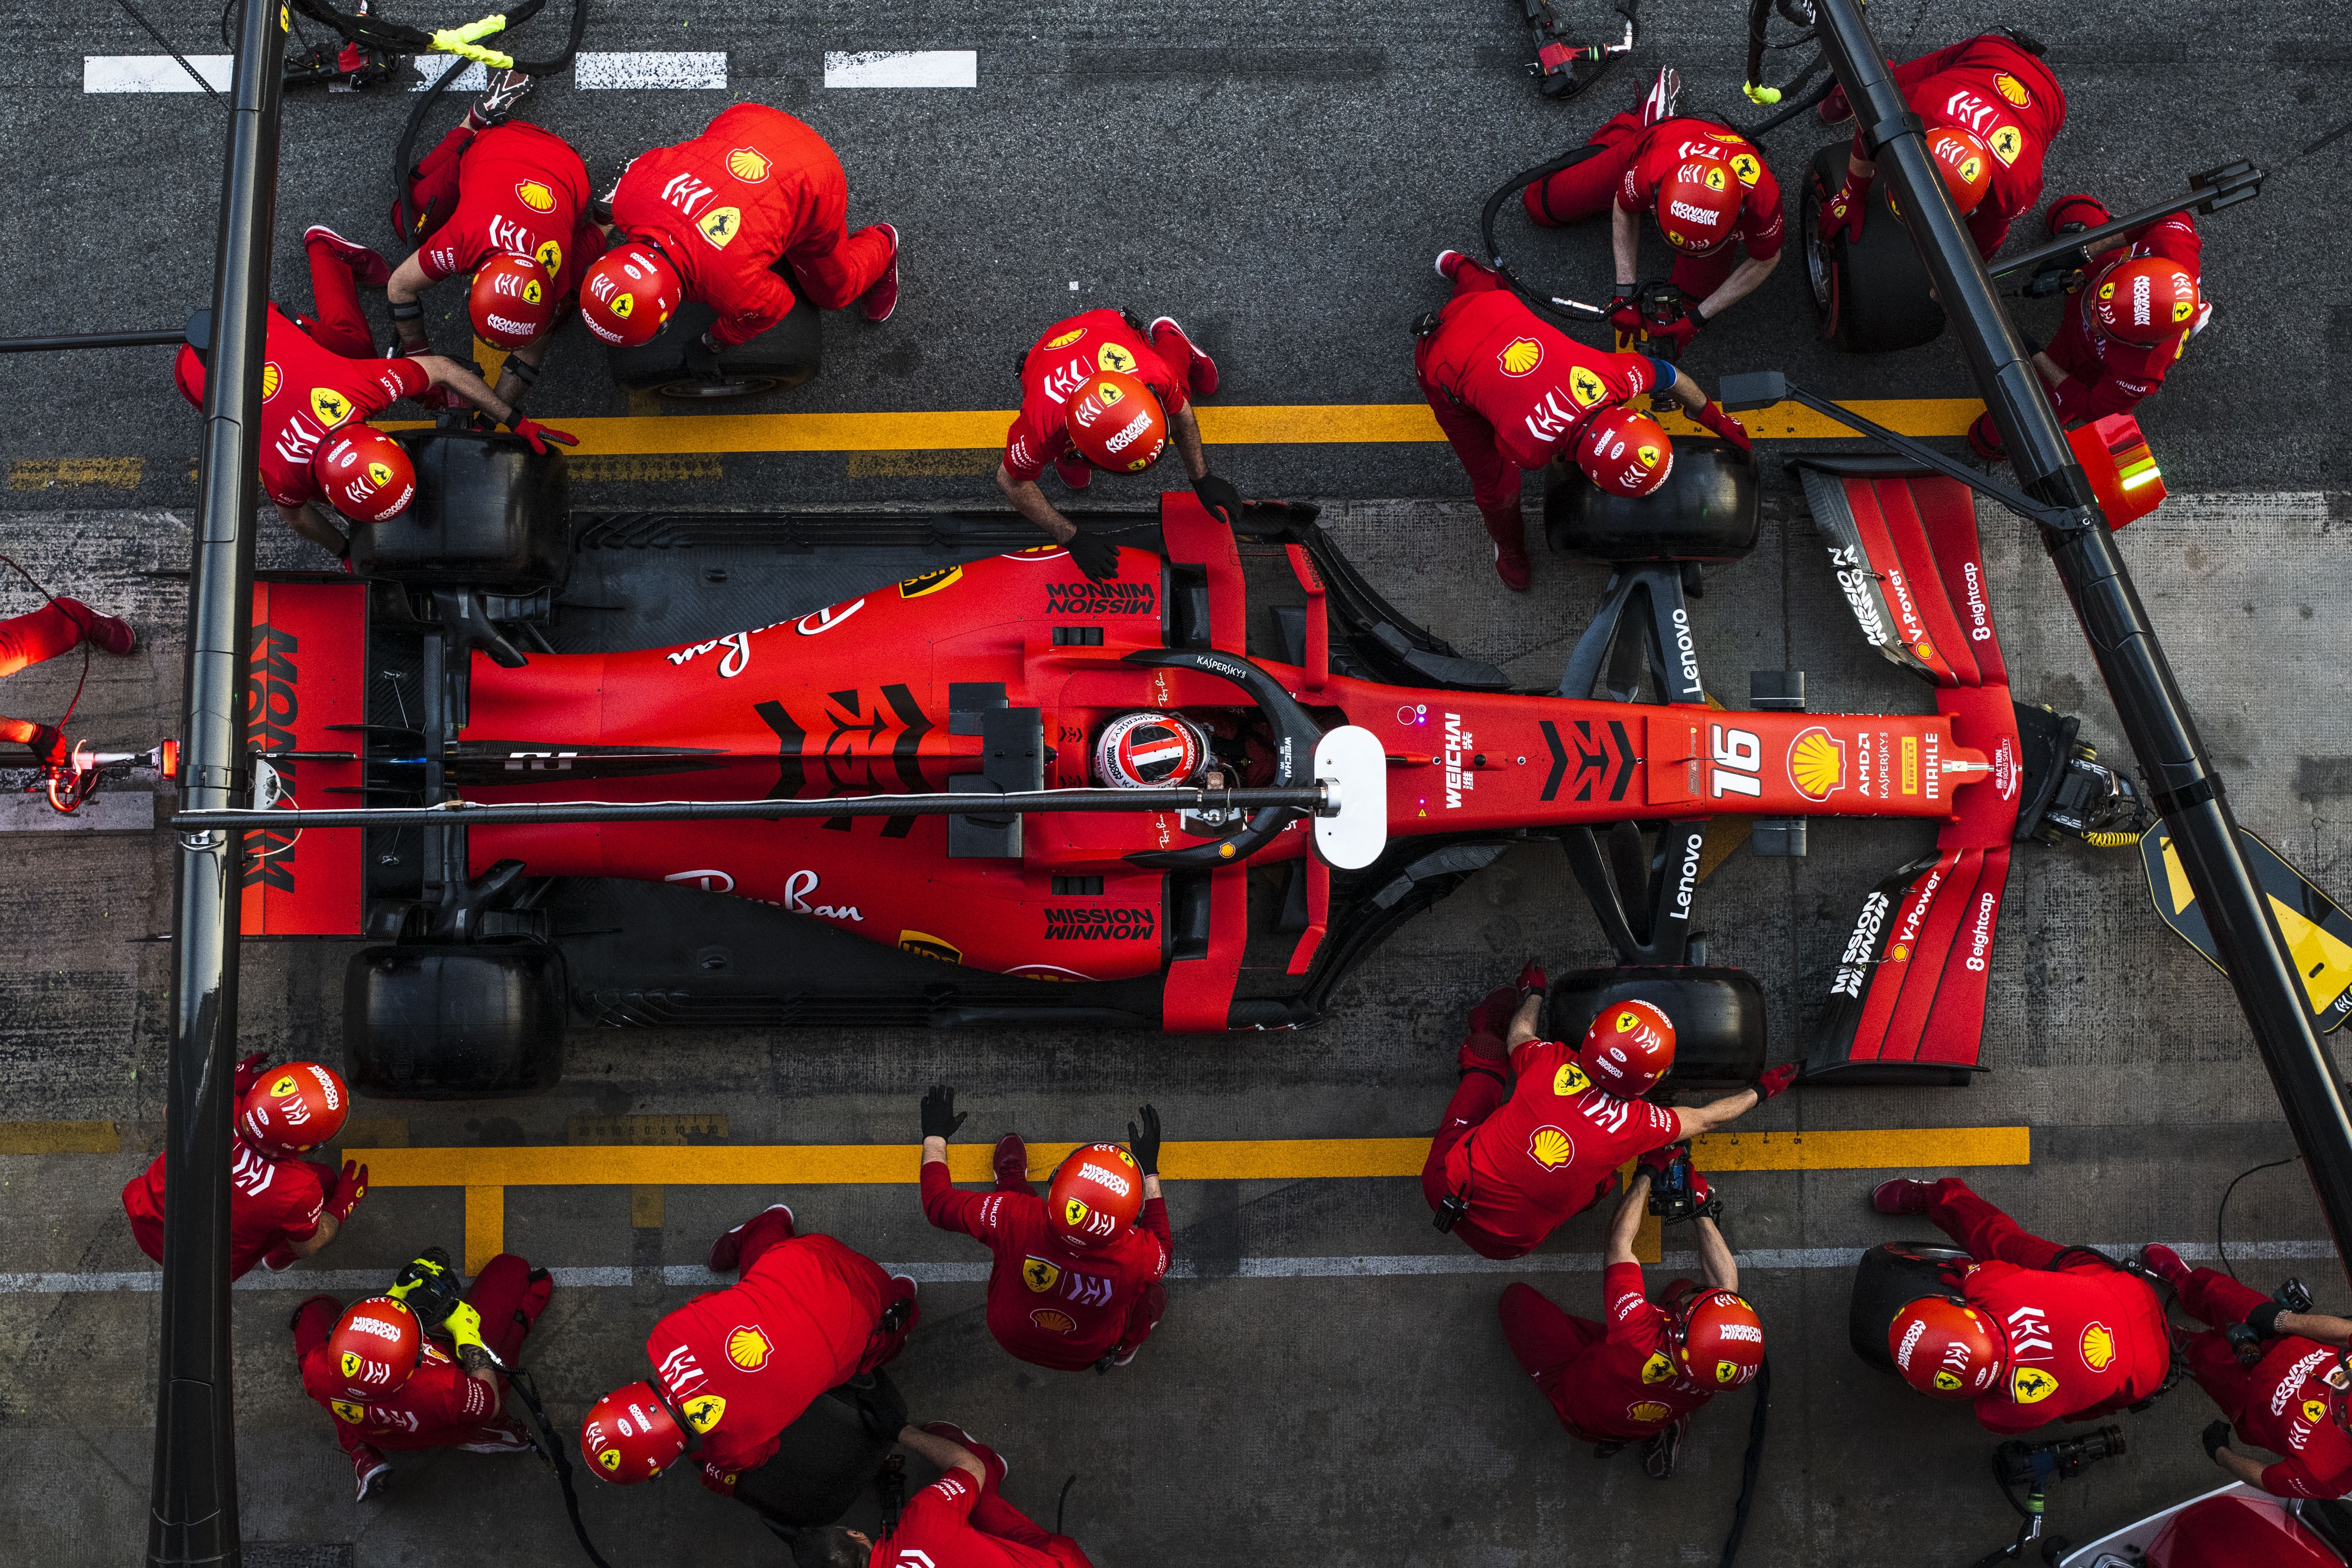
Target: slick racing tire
{"points": [[1870, 296], [453, 1021], [489, 512], [1889, 1277], [1718, 1017], [785, 355], [1706, 511]]}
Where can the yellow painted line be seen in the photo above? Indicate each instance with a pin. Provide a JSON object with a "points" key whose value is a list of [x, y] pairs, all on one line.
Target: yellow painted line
{"points": [[59, 1138], [660, 469], [486, 1224], [65, 472]]}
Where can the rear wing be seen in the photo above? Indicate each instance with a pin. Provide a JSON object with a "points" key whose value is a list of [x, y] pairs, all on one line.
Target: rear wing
{"points": [[1907, 996]]}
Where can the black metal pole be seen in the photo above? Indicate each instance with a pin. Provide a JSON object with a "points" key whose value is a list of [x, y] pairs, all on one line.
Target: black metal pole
{"points": [[156, 338], [192, 1505], [2155, 716]]}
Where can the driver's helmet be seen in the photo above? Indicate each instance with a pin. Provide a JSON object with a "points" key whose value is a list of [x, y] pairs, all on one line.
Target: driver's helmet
{"points": [[1151, 750]]}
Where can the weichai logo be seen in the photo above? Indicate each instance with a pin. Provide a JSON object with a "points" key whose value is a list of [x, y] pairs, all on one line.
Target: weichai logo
{"points": [[271, 702], [1085, 925], [1113, 598]]}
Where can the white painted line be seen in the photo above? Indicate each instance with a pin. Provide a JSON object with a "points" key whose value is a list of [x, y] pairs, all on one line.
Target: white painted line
{"points": [[107, 811], [649, 68], [152, 73], [903, 68], [475, 77]]}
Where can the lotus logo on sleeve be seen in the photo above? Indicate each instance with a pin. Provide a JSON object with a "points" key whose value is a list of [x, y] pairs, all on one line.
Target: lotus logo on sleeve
{"points": [[1520, 357], [748, 164], [748, 1348], [1550, 1148]]}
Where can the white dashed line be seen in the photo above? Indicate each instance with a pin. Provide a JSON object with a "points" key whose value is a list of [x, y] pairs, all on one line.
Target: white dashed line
{"points": [[654, 69], [152, 73], [475, 77], [903, 68]]}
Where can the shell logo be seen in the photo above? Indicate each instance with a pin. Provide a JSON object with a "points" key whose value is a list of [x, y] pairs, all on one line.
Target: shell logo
{"points": [[1745, 165], [2012, 90], [1052, 1321], [2030, 1385], [535, 196], [1817, 763], [1659, 1368], [269, 380], [1551, 1148], [705, 1411], [748, 1348], [748, 164], [1066, 339], [2315, 1411], [1713, 180], [1115, 357], [1570, 1080], [1520, 356], [1648, 1411], [348, 1413], [2098, 1347], [2006, 141]]}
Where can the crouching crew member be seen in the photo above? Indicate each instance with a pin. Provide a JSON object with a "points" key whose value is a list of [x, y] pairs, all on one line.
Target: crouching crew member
{"points": [[280, 1206], [1512, 391], [2286, 1389], [1077, 1282], [1714, 200], [1101, 391], [380, 1369], [1637, 1377], [707, 219], [733, 1368], [58, 627], [961, 1520], [1537, 1128], [2031, 1331], [1991, 110]]}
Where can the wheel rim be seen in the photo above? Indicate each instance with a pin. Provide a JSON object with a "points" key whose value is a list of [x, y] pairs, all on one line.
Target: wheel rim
{"points": [[696, 389], [1817, 261]]}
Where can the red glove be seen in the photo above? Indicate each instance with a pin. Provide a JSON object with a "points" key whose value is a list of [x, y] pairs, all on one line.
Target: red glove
{"points": [[1532, 982], [1834, 107], [1843, 210], [1702, 1192], [719, 1480], [539, 434], [1657, 1162], [49, 747], [1624, 315], [1775, 1080], [1712, 417], [248, 1073], [1680, 332], [349, 1187]]}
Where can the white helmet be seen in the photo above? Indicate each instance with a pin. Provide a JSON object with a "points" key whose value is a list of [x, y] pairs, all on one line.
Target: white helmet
{"points": [[1151, 750]]}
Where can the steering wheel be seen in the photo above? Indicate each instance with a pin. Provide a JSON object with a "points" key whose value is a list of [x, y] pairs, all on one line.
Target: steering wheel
{"points": [[1295, 735]]}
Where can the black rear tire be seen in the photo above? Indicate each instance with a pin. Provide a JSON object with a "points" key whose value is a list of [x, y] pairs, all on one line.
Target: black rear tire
{"points": [[489, 512], [1706, 511], [1718, 1017], [1888, 1278], [454, 1021], [785, 355], [1871, 297]]}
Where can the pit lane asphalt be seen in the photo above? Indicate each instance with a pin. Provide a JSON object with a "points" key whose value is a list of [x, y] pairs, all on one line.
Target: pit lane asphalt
{"points": [[1303, 1420]]}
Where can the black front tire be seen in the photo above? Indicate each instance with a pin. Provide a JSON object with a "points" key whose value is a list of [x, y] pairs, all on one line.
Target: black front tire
{"points": [[489, 512], [1888, 1278], [1706, 511], [1718, 1017], [452, 1021], [784, 356], [1871, 297]]}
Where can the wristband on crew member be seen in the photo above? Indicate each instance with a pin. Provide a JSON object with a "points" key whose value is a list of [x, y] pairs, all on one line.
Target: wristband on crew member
{"points": [[406, 310], [2263, 1320], [523, 370]]}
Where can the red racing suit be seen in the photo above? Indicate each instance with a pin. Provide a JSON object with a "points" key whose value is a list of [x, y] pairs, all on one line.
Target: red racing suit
{"points": [[2104, 376], [270, 1203], [2283, 1403], [742, 1363], [754, 187], [2084, 1338], [1613, 1383], [1638, 160], [1544, 1154], [1059, 364], [957, 1522], [1050, 1303], [512, 190], [1990, 86], [58, 627], [307, 390], [441, 1405]]}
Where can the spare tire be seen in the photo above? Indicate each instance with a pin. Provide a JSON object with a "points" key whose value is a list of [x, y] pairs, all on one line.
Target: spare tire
{"points": [[1871, 297], [1886, 1279], [1706, 511], [453, 1021], [785, 355], [1718, 1017], [489, 512]]}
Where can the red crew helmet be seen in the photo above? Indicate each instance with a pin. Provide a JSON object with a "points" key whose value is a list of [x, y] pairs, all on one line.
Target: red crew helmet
{"points": [[1095, 1196], [1624, 453], [630, 1436], [1115, 424], [1720, 1340], [294, 1109], [1628, 1048], [627, 295], [1945, 1347], [1698, 205], [511, 302], [2145, 300], [375, 1347], [1965, 162], [364, 473]]}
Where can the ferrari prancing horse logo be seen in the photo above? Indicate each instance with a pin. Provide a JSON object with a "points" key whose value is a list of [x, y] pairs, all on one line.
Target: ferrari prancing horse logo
{"points": [[1039, 1275]]}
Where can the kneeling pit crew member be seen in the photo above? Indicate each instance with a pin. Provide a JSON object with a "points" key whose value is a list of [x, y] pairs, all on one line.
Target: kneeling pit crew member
{"points": [[733, 1368], [280, 1206], [1537, 1128], [1512, 392], [58, 627], [961, 1520], [1077, 1280], [1637, 1377], [2031, 1331], [379, 1368], [1102, 391]]}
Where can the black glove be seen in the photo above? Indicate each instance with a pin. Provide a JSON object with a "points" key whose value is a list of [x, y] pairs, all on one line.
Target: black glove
{"points": [[428, 1287], [1096, 555], [1145, 1144], [1224, 502], [702, 356], [941, 1118], [2217, 1437], [2263, 1320]]}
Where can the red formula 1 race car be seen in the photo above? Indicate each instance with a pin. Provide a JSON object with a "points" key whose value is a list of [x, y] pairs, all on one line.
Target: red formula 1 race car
{"points": [[2236, 1527], [502, 649]]}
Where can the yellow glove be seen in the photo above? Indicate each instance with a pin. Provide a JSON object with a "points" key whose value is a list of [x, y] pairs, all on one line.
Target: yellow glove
{"points": [[465, 1327]]}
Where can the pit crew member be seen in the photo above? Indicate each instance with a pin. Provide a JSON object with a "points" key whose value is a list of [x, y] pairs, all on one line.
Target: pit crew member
{"points": [[2031, 1331], [961, 1520], [2121, 331], [1537, 1128], [58, 627], [1714, 199], [1991, 110], [280, 1206], [381, 1370], [1099, 390], [709, 219], [1077, 1282], [2288, 1396], [1512, 391], [733, 1368], [1637, 1377]]}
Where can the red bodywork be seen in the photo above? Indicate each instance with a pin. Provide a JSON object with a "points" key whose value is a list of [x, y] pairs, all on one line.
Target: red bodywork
{"points": [[305, 676], [2243, 1530]]}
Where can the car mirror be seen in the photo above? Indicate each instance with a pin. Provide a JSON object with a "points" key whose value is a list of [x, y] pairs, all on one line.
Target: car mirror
{"points": [[1754, 389], [1353, 764]]}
